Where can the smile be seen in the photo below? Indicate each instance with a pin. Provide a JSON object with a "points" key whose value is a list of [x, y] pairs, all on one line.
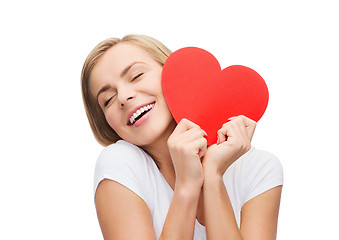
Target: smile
{"points": [[139, 113]]}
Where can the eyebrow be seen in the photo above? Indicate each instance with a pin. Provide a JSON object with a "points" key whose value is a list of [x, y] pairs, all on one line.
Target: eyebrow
{"points": [[126, 69], [123, 73], [103, 89]]}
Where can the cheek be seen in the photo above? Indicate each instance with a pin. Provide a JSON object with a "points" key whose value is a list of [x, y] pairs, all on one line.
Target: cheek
{"points": [[152, 83], [113, 120]]}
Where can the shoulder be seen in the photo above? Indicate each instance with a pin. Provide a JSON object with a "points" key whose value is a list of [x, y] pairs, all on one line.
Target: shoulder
{"points": [[123, 156], [260, 159], [122, 197], [119, 149], [124, 163], [259, 171], [256, 161]]}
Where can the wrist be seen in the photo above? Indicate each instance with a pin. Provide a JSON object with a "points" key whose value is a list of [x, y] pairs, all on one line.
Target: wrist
{"points": [[187, 191], [213, 177], [211, 170]]}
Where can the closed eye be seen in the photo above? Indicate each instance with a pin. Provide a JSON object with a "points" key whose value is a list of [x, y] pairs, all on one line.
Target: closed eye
{"points": [[137, 76], [107, 101]]}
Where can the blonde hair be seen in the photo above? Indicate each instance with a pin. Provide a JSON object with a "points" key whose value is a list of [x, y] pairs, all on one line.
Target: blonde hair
{"points": [[103, 133]]}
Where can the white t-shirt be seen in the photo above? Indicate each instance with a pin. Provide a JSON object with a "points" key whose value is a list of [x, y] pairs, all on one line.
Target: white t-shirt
{"points": [[252, 174]]}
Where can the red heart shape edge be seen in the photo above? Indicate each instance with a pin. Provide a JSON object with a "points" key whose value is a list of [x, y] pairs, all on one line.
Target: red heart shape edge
{"points": [[195, 87]]}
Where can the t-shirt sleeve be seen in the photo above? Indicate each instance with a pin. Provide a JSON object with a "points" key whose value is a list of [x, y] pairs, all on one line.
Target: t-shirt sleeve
{"points": [[123, 163], [263, 172]]}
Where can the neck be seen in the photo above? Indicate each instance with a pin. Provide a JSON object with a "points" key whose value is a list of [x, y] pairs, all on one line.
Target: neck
{"points": [[159, 151]]}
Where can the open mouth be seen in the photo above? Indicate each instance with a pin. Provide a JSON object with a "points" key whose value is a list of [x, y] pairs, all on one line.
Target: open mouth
{"points": [[140, 113]]}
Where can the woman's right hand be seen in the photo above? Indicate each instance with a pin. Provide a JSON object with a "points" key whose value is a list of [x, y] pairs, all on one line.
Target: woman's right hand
{"points": [[187, 146]]}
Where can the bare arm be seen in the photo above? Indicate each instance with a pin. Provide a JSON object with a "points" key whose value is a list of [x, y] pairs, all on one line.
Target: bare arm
{"points": [[123, 214], [219, 217], [186, 144], [259, 215], [181, 216]]}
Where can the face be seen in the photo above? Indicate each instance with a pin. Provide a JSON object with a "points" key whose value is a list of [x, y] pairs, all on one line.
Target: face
{"points": [[126, 82]]}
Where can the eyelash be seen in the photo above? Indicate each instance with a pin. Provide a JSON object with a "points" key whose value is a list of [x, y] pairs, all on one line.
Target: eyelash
{"points": [[107, 102], [137, 76]]}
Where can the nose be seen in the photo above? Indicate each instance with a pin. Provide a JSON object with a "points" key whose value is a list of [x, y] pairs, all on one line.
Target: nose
{"points": [[122, 103], [125, 95]]}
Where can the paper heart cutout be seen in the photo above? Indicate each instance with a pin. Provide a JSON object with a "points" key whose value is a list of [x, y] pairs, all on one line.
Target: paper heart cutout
{"points": [[197, 89]]}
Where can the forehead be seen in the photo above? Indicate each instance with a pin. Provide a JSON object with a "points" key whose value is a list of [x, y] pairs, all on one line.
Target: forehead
{"points": [[113, 61]]}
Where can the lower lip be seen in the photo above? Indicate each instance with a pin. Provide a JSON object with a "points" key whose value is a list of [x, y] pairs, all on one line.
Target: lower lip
{"points": [[143, 119]]}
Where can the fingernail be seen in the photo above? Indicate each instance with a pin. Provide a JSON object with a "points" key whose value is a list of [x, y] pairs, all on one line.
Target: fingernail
{"points": [[231, 118], [204, 132]]}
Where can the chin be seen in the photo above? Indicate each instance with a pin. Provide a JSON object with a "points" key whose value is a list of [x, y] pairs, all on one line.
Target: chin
{"points": [[146, 139], [158, 133]]}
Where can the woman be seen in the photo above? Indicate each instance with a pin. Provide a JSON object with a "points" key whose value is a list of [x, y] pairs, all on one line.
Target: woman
{"points": [[157, 179]]}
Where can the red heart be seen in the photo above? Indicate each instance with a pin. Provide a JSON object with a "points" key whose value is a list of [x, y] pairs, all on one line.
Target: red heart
{"points": [[196, 88]]}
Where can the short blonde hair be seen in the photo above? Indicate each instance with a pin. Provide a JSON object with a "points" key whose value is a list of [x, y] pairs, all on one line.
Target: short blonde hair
{"points": [[103, 133]]}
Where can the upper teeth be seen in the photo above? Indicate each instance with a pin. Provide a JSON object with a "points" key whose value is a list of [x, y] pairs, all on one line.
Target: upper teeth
{"points": [[140, 111]]}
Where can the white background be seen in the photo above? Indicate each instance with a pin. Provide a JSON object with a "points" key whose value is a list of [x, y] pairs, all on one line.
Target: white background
{"points": [[48, 152]]}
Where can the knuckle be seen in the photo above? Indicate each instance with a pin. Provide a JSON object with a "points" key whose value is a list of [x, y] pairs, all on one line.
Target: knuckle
{"points": [[220, 131], [201, 133], [183, 121], [239, 119], [196, 127]]}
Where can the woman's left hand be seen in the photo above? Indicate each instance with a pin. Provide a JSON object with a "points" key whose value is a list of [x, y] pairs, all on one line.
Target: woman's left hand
{"points": [[234, 139]]}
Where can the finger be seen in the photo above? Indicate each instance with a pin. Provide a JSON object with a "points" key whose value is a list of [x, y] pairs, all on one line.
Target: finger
{"points": [[201, 146], [222, 136], [183, 126], [250, 126], [239, 123], [191, 135], [250, 131], [233, 129], [197, 146], [224, 132], [247, 121], [241, 134]]}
